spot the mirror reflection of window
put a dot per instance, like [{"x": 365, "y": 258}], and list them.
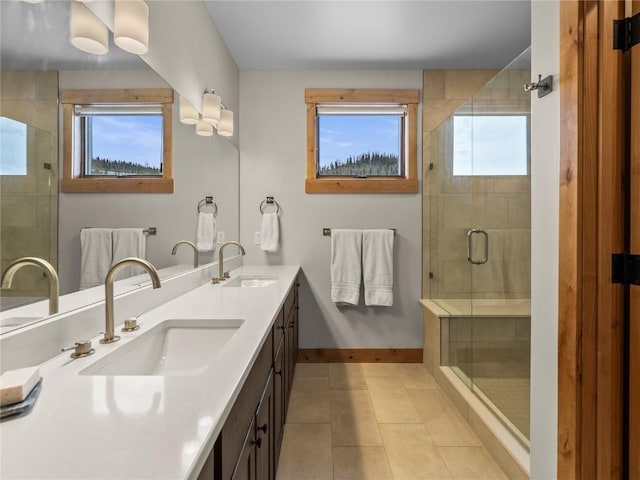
[
  {"x": 121, "y": 140},
  {"x": 13, "y": 147},
  {"x": 485, "y": 145}
]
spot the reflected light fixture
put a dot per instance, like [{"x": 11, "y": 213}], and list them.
[
  {"x": 31, "y": 1},
  {"x": 225, "y": 127},
  {"x": 211, "y": 105},
  {"x": 131, "y": 26},
  {"x": 203, "y": 128},
  {"x": 188, "y": 114},
  {"x": 87, "y": 32}
]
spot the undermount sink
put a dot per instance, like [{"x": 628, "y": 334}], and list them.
[
  {"x": 251, "y": 281},
  {"x": 177, "y": 347}
]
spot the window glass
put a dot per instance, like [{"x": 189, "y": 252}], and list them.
[
  {"x": 487, "y": 145},
  {"x": 360, "y": 145},
  {"x": 127, "y": 143},
  {"x": 13, "y": 147}
]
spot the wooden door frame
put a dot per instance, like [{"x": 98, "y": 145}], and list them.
[{"x": 592, "y": 204}]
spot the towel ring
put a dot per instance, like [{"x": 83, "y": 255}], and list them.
[
  {"x": 269, "y": 201},
  {"x": 208, "y": 201}
]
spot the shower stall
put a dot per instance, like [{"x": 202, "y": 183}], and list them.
[{"x": 477, "y": 207}]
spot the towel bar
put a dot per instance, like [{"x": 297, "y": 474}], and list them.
[
  {"x": 269, "y": 201},
  {"x": 327, "y": 231},
  {"x": 147, "y": 231},
  {"x": 208, "y": 201}
]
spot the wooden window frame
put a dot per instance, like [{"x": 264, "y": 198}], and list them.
[
  {"x": 408, "y": 184},
  {"x": 73, "y": 183}
]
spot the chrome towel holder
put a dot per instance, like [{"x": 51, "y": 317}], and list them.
[
  {"x": 208, "y": 201},
  {"x": 269, "y": 201}
]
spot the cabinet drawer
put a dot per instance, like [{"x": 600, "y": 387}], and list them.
[
  {"x": 278, "y": 329},
  {"x": 229, "y": 444}
]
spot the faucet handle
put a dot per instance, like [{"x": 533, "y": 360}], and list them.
[
  {"x": 215, "y": 280},
  {"x": 131, "y": 323},
  {"x": 226, "y": 275},
  {"x": 81, "y": 349}
]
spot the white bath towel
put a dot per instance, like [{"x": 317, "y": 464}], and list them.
[
  {"x": 377, "y": 267},
  {"x": 128, "y": 242},
  {"x": 96, "y": 252},
  {"x": 270, "y": 232},
  {"x": 206, "y": 232},
  {"x": 346, "y": 266}
]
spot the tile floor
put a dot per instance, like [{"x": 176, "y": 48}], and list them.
[{"x": 377, "y": 422}]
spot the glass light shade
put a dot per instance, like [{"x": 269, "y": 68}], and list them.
[
  {"x": 131, "y": 26},
  {"x": 31, "y": 1},
  {"x": 204, "y": 129},
  {"x": 87, "y": 32},
  {"x": 211, "y": 105},
  {"x": 225, "y": 127},
  {"x": 188, "y": 114}
]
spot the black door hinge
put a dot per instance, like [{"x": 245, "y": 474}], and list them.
[
  {"x": 625, "y": 269},
  {"x": 626, "y": 32}
]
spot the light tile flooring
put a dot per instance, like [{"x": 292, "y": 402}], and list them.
[{"x": 377, "y": 422}]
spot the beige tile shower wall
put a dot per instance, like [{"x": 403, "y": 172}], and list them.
[
  {"x": 453, "y": 205},
  {"x": 29, "y": 203}
]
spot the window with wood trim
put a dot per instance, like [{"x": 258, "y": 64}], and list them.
[
  {"x": 361, "y": 140},
  {"x": 117, "y": 141}
]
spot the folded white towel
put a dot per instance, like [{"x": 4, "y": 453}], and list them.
[
  {"x": 270, "y": 232},
  {"x": 346, "y": 266},
  {"x": 96, "y": 252},
  {"x": 206, "y": 232},
  {"x": 377, "y": 266},
  {"x": 128, "y": 242}
]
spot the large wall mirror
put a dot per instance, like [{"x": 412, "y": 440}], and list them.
[{"x": 36, "y": 219}]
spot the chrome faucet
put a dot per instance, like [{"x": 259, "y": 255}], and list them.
[
  {"x": 46, "y": 267},
  {"x": 109, "y": 337},
  {"x": 192, "y": 245},
  {"x": 222, "y": 275}
]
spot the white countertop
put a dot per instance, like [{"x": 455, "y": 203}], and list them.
[{"x": 142, "y": 427}]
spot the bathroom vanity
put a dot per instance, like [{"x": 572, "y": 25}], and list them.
[{"x": 200, "y": 391}]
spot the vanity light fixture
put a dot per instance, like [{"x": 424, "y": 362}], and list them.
[
  {"x": 211, "y": 105},
  {"x": 87, "y": 32},
  {"x": 188, "y": 114},
  {"x": 131, "y": 26},
  {"x": 31, "y": 1},
  {"x": 225, "y": 127},
  {"x": 203, "y": 128}
]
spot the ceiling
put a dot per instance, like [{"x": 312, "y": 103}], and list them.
[
  {"x": 400, "y": 34},
  {"x": 36, "y": 36}
]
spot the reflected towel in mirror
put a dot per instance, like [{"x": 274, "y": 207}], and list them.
[
  {"x": 206, "y": 232},
  {"x": 128, "y": 242},
  {"x": 95, "y": 256}
]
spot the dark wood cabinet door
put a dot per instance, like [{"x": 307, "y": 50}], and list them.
[
  {"x": 246, "y": 466},
  {"x": 264, "y": 434},
  {"x": 278, "y": 402}
]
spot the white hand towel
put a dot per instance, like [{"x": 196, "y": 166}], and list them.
[
  {"x": 270, "y": 232},
  {"x": 377, "y": 266},
  {"x": 206, "y": 232},
  {"x": 96, "y": 252},
  {"x": 346, "y": 266},
  {"x": 128, "y": 242}
]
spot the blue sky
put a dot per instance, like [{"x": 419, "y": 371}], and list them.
[
  {"x": 342, "y": 136},
  {"x": 129, "y": 138},
  {"x": 490, "y": 145}
]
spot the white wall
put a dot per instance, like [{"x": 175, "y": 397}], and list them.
[
  {"x": 201, "y": 166},
  {"x": 545, "y": 160},
  {"x": 273, "y": 162}
]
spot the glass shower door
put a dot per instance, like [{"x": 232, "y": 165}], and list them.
[{"x": 499, "y": 243}]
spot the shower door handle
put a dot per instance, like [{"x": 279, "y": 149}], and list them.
[{"x": 470, "y": 234}]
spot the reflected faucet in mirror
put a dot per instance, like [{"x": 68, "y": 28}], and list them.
[
  {"x": 192, "y": 245},
  {"x": 109, "y": 336},
  {"x": 46, "y": 267},
  {"x": 222, "y": 275}
]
